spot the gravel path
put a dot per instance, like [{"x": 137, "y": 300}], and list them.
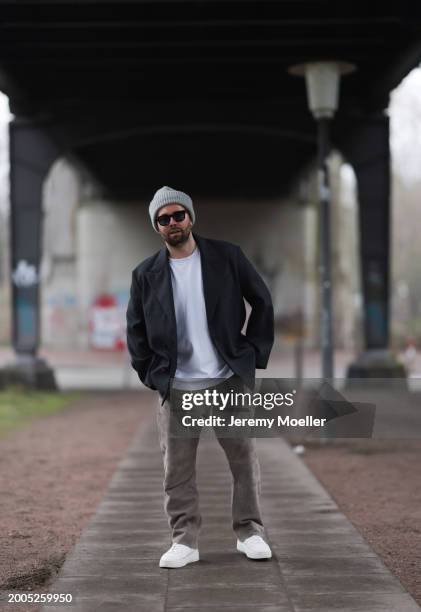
[
  {"x": 53, "y": 474},
  {"x": 377, "y": 485}
]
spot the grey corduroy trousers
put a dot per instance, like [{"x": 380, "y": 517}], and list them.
[{"x": 181, "y": 497}]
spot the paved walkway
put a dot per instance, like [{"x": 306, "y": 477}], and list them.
[{"x": 320, "y": 564}]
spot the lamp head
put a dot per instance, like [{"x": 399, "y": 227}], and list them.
[{"x": 322, "y": 81}]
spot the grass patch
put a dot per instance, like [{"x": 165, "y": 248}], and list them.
[{"x": 18, "y": 405}]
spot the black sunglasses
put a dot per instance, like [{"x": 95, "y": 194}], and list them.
[{"x": 178, "y": 216}]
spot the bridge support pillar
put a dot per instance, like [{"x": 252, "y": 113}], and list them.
[
  {"x": 31, "y": 155},
  {"x": 368, "y": 151}
]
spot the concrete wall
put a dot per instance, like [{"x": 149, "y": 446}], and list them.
[
  {"x": 113, "y": 238},
  {"x": 347, "y": 300},
  {"x": 5, "y": 310},
  {"x": 59, "y": 299}
]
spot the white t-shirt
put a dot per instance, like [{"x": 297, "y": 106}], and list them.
[{"x": 197, "y": 357}]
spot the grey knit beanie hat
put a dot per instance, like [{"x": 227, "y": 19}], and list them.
[{"x": 167, "y": 195}]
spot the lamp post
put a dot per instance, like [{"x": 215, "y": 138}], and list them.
[{"x": 322, "y": 84}]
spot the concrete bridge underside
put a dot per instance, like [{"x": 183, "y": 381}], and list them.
[{"x": 197, "y": 94}]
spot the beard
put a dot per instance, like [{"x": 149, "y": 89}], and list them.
[{"x": 177, "y": 237}]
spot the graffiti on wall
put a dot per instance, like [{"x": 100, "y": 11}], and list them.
[
  {"x": 107, "y": 321},
  {"x": 25, "y": 274},
  {"x": 60, "y": 319}
]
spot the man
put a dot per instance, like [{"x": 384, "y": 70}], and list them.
[{"x": 184, "y": 323}]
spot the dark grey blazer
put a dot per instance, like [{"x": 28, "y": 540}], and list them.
[{"x": 228, "y": 277}]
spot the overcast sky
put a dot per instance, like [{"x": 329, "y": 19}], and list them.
[
  {"x": 405, "y": 127},
  {"x": 405, "y": 134},
  {"x": 4, "y": 152}
]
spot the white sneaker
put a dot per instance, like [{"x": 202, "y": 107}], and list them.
[
  {"x": 178, "y": 556},
  {"x": 254, "y": 547}
]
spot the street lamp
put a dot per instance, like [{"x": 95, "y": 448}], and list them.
[{"x": 322, "y": 83}]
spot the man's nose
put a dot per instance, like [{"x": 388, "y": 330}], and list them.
[{"x": 172, "y": 221}]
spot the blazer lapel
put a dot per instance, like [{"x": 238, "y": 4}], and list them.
[
  {"x": 160, "y": 281},
  {"x": 214, "y": 269}
]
